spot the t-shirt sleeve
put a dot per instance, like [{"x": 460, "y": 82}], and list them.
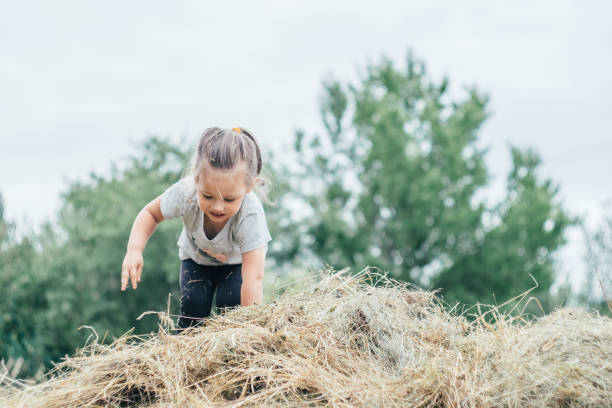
[
  {"x": 172, "y": 201},
  {"x": 252, "y": 231}
]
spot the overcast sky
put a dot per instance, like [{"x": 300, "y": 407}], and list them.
[{"x": 81, "y": 82}]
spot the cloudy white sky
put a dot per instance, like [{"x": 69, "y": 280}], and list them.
[{"x": 81, "y": 82}]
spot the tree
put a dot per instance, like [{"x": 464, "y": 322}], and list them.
[
  {"x": 285, "y": 230},
  {"x": 69, "y": 275},
  {"x": 526, "y": 228},
  {"x": 94, "y": 224},
  {"x": 22, "y": 299},
  {"x": 597, "y": 292},
  {"x": 393, "y": 180}
]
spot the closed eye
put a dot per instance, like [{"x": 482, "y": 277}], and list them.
[{"x": 209, "y": 197}]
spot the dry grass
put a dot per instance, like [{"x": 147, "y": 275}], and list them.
[{"x": 344, "y": 342}]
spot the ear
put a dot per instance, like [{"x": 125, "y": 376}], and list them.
[{"x": 250, "y": 185}]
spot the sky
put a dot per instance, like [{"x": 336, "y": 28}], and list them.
[{"x": 82, "y": 82}]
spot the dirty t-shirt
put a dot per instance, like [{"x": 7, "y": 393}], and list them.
[{"x": 244, "y": 231}]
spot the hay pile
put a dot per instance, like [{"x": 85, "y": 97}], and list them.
[{"x": 344, "y": 343}]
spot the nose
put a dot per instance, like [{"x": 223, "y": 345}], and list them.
[{"x": 217, "y": 206}]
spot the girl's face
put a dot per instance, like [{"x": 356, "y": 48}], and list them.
[{"x": 220, "y": 192}]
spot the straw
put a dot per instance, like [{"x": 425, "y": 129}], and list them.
[{"x": 349, "y": 340}]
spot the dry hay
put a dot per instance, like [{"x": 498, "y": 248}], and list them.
[{"x": 343, "y": 343}]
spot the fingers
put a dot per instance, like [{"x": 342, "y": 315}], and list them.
[
  {"x": 131, "y": 270},
  {"x": 134, "y": 277},
  {"x": 124, "y": 279},
  {"x": 130, "y": 274}
]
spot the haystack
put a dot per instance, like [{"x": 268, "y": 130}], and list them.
[{"x": 347, "y": 341}]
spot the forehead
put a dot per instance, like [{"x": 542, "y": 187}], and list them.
[{"x": 227, "y": 182}]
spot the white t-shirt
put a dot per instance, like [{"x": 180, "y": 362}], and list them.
[{"x": 243, "y": 232}]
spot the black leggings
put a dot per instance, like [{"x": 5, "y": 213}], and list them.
[{"x": 198, "y": 283}]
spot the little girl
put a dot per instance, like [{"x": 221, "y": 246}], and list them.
[{"x": 224, "y": 239}]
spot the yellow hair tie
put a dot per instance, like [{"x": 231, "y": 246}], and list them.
[{"x": 237, "y": 130}]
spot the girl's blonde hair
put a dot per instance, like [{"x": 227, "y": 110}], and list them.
[{"x": 225, "y": 148}]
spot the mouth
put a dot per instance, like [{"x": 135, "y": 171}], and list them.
[{"x": 216, "y": 216}]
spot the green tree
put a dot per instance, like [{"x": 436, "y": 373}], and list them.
[
  {"x": 284, "y": 229},
  {"x": 392, "y": 183},
  {"x": 69, "y": 275},
  {"x": 22, "y": 298},
  {"x": 597, "y": 292},
  {"x": 94, "y": 225},
  {"x": 525, "y": 229}
]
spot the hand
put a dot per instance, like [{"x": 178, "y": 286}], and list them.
[{"x": 132, "y": 268}]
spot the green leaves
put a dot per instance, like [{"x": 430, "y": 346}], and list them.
[
  {"x": 74, "y": 278},
  {"x": 519, "y": 240},
  {"x": 597, "y": 291},
  {"x": 333, "y": 106},
  {"x": 393, "y": 183}
]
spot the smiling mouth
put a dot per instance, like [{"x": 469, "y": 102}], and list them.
[{"x": 216, "y": 215}]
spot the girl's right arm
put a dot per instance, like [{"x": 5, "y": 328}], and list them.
[{"x": 145, "y": 223}]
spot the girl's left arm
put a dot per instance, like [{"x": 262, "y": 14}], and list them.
[{"x": 252, "y": 277}]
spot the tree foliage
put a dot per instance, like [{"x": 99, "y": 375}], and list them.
[
  {"x": 597, "y": 292},
  {"x": 72, "y": 279},
  {"x": 525, "y": 230},
  {"x": 393, "y": 183},
  {"x": 23, "y": 297}
]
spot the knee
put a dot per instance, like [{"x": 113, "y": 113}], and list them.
[
  {"x": 195, "y": 303},
  {"x": 194, "y": 308},
  {"x": 228, "y": 297}
]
